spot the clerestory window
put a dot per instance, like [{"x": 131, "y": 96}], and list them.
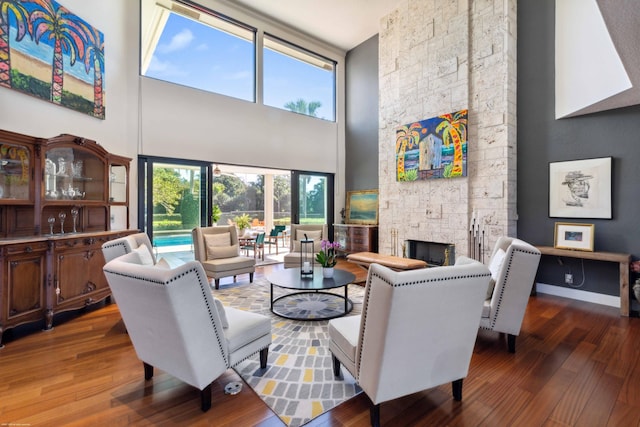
[
  {"x": 298, "y": 80},
  {"x": 192, "y": 46}
]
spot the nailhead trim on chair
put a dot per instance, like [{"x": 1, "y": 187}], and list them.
[
  {"x": 506, "y": 277},
  {"x": 250, "y": 355},
  {"x": 115, "y": 244},
  {"x": 202, "y": 289},
  {"x": 396, "y": 285}
]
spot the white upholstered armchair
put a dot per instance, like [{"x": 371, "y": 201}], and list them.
[
  {"x": 513, "y": 267},
  {"x": 417, "y": 330},
  {"x": 176, "y": 325},
  {"x": 124, "y": 245}
]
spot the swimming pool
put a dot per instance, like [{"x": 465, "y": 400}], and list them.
[{"x": 172, "y": 240}]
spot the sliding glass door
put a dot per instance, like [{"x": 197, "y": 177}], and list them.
[
  {"x": 174, "y": 199},
  {"x": 312, "y": 198}
]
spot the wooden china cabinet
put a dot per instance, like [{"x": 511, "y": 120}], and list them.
[{"x": 60, "y": 199}]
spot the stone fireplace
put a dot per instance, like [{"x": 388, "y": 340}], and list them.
[
  {"x": 433, "y": 253},
  {"x": 437, "y": 58}
]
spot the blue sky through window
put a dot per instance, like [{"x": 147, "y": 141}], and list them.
[
  {"x": 199, "y": 56},
  {"x": 193, "y": 54},
  {"x": 288, "y": 79}
]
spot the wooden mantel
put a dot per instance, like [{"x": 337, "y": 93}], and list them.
[{"x": 622, "y": 259}]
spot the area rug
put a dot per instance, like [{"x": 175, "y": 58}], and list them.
[{"x": 298, "y": 384}]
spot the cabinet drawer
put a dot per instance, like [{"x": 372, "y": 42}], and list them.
[
  {"x": 25, "y": 248},
  {"x": 358, "y": 232},
  {"x": 360, "y": 240}
]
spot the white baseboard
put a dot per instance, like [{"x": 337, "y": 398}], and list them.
[{"x": 579, "y": 295}]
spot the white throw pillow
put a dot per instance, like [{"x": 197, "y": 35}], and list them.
[
  {"x": 145, "y": 256},
  {"x": 496, "y": 263},
  {"x": 494, "y": 267},
  {"x": 221, "y": 313}
]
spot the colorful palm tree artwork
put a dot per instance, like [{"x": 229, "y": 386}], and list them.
[
  {"x": 94, "y": 55},
  {"x": 432, "y": 148},
  {"x": 407, "y": 138},
  {"x": 21, "y": 15},
  {"x": 454, "y": 132},
  {"x": 54, "y": 21}
]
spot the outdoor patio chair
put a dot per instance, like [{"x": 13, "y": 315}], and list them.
[
  {"x": 256, "y": 245},
  {"x": 275, "y": 236}
]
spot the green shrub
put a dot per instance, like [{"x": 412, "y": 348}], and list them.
[
  {"x": 166, "y": 224},
  {"x": 170, "y": 217},
  {"x": 189, "y": 210}
]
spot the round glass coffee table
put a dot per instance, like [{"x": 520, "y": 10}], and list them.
[{"x": 312, "y": 302}]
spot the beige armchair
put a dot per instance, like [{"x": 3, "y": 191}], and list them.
[
  {"x": 176, "y": 325},
  {"x": 315, "y": 232},
  {"x": 513, "y": 266},
  {"x": 417, "y": 330},
  {"x": 218, "y": 250}
]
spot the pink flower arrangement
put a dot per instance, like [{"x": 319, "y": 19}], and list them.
[{"x": 328, "y": 256}]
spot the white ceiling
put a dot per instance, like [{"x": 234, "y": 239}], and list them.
[{"x": 341, "y": 23}]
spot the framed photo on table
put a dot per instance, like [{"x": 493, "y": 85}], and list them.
[
  {"x": 574, "y": 236},
  {"x": 580, "y": 188}
]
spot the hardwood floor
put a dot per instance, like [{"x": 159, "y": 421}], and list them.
[{"x": 575, "y": 364}]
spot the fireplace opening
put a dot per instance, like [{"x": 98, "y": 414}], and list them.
[{"x": 433, "y": 253}]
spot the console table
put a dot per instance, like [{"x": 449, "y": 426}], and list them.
[{"x": 622, "y": 259}]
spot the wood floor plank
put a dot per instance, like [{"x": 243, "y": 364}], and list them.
[
  {"x": 544, "y": 401},
  {"x": 575, "y": 364},
  {"x": 600, "y": 405},
  {"x": 572, "y": 403}
]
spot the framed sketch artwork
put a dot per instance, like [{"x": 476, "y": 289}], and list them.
[{"x": 580, "y": 188}]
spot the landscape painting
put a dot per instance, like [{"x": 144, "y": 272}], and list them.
[
  {"x": 48, "y": 52},
  {"x": 432, "y": 148},
  {"x": 362, "y": 207}
]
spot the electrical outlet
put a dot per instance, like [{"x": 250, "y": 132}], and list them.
[{"x": 568, "y": 278}]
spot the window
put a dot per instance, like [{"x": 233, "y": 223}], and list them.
[
  {"x": 298, "y": 80},
  {"x": 190, "y": 45},
  {"x": 194, "y": 47}
]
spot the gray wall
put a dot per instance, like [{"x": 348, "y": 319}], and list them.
[
  {"x": 361, "y": 158},
  {"x": 542, "y": 139}
]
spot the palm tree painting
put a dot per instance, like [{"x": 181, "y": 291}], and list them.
[
  {"x": 50, "y": 53},
  {"x": 432, "y": 148}
]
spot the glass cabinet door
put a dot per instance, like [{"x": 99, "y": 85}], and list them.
[
  {"x": 117, "y": 184},
  {"x": 73, "y": 174},
  {"x": 15, "y": 173}
]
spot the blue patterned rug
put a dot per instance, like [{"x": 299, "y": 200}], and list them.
[{"x": 298, "y": 384}]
